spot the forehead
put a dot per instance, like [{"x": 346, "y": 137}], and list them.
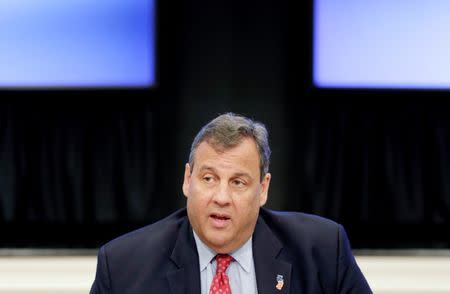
[{"x": 244, "y": 156}]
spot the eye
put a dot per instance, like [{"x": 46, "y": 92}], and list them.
[
  {"x": 208, "y": 179},
  {"x": 238, "y": 183}
]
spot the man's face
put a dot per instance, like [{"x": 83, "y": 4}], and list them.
[{"x": 224, "y": 194}]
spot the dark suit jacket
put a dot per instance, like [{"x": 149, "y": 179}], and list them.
[{"x": 311, "y": 253}]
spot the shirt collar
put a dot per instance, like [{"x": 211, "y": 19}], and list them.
[
  {"x": 205, "y": 253},
  {"x": 243, "y": 255}
]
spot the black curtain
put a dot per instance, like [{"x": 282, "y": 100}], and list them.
[{"x": 379, "y": 168}]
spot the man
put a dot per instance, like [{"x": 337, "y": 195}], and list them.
[{"x": 224, "y": 241}]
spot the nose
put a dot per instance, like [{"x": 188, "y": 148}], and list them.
[{"x": 222, "y": 195}]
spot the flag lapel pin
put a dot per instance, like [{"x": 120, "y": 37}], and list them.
[{"x": 280, "y": 282}]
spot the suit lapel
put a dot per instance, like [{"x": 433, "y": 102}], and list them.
[
  {"x": 270, "y": 271},
  {"x": 186, "y": 277}
]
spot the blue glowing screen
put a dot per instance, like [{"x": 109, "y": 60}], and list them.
[
  {"x": 381, "y": 44},
  {"x": 77, "y": 43}
]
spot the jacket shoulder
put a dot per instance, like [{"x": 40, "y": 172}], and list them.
[
  {"x": 157, "y": 236},
  {"x": 296, "y": 218},
  {"x": 139, "y": 260},
  {"x": 306, "y": 228}
]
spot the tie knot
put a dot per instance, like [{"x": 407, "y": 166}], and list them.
[{"x": 223, "y": 261}]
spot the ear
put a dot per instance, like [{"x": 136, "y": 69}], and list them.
[
  {"x": 187, "y": 179},
  {"x": 264, "y": 189}
]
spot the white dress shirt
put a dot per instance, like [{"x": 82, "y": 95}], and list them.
[{"x": 241, "y": 271}]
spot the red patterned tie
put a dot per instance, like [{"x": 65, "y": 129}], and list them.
[{"x": 220, "y": 283}]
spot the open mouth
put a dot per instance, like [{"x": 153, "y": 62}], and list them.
[
  {"x": 219, "y": 216},
  {"x": 219, "y": 220}
]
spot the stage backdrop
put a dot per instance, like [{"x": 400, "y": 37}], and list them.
[{"x": 78, "y": 171}]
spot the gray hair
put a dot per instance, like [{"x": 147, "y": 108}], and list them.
[{"x": 227, "y": 131}]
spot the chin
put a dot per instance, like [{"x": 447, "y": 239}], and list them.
[{"x": 219, "y": 244}]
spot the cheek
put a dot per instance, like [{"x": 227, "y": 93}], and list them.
[
  {"x": 198, "y": 198},
  {"x": 248, "y": 206}
]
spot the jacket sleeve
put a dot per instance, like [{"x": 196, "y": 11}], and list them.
[
  {"x": 102, "y": 283},
  {"x": 350, "y": 278}
]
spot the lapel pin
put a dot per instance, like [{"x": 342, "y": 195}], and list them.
[{"x": 280, "y": 282}]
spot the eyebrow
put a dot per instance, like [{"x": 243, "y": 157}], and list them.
[
  {"x": 243, "y": 175},
  {"x": 207, "y": 168},
  {"x": 212, "y": 169}
]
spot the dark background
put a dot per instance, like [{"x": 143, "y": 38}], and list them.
[{"x": 79, "y": 167}]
